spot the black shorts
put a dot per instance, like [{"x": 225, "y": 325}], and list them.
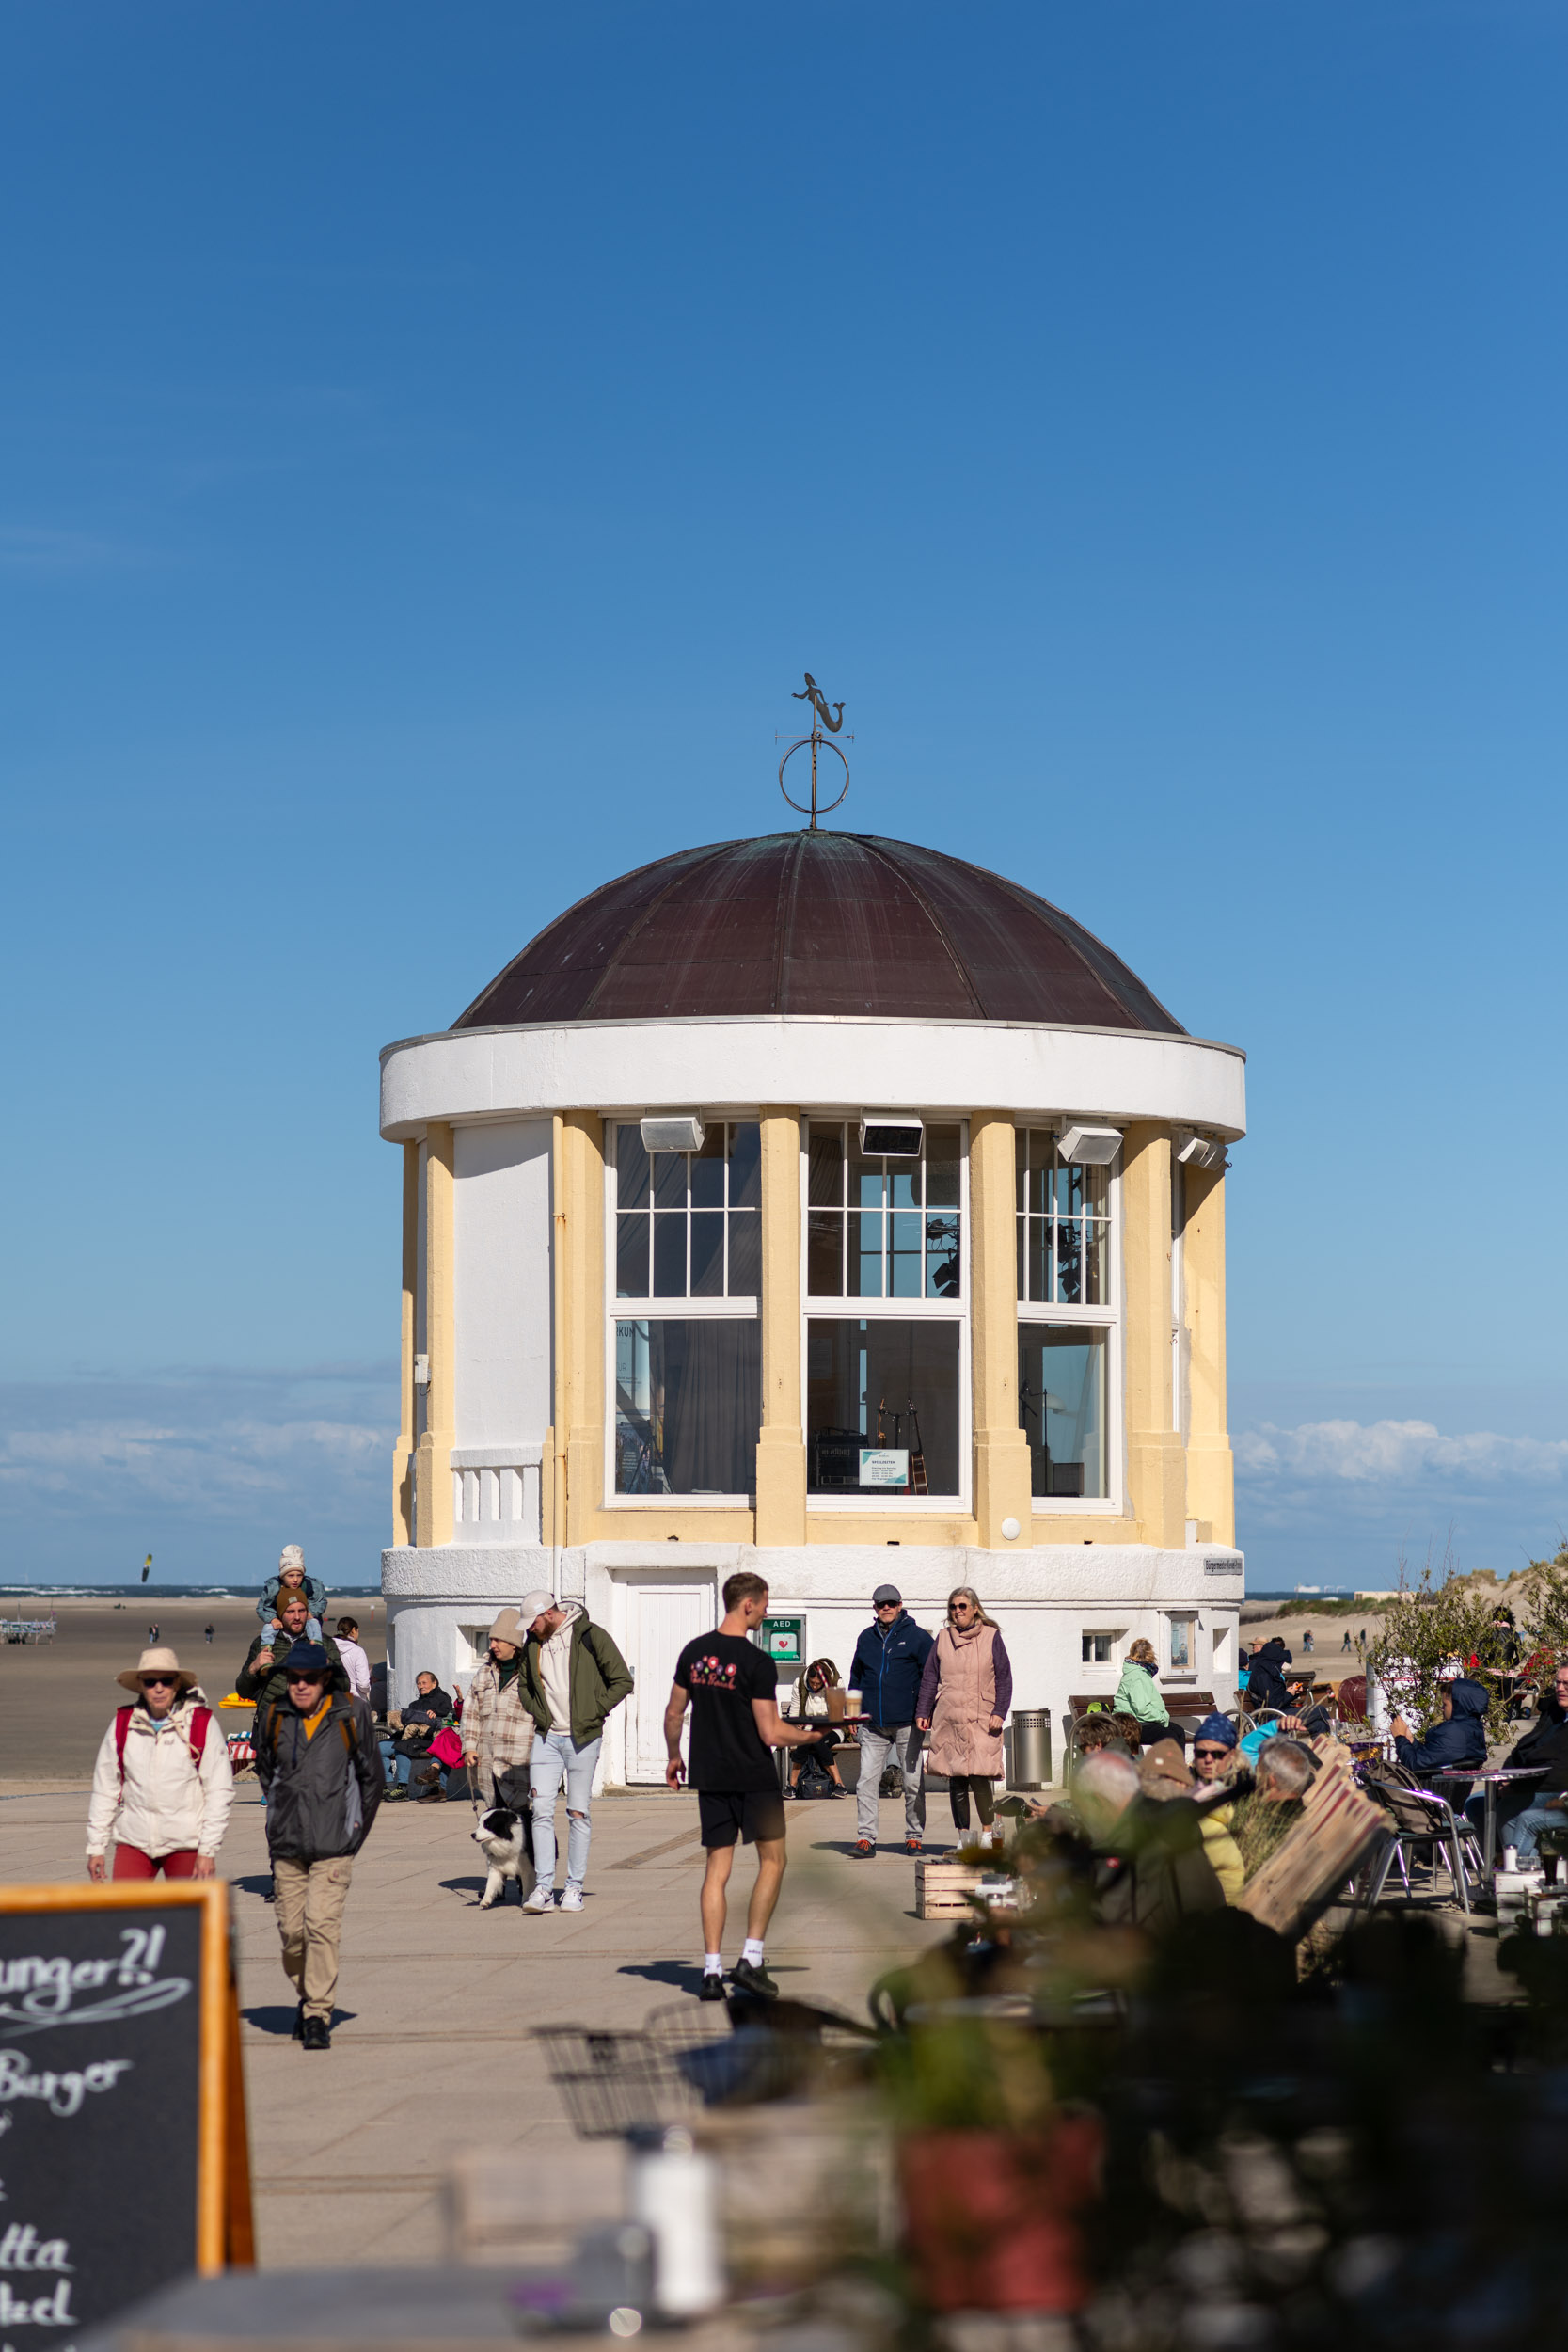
[{"x": 727, "y": 1815}]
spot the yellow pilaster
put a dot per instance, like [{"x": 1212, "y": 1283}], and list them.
[
  {"x": 1211, "y": 1472},
  {"x": 1001, "y": 1448},
  {"x": 579, "y": 1321},
  {"x": 403, "y": 1453},
  {"x": 1156, "y": 1463},
  {"x": 432, "y": 1484},
  {"x": 781, "y": 1442}
]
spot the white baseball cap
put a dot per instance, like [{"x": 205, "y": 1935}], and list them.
[{"x": 532, "y": 1607}]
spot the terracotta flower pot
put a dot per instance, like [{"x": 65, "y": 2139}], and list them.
[{"x": 991, "y": 2217}]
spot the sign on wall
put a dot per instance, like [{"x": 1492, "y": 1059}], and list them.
[
  {"x": 785, "y": 1641},
  {"x": 123, "y": 2161},
  {"x": 884, "y": 1466}
]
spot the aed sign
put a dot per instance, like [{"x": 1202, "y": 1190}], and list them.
[
  {"x": 884, "y": 1466},
  {"x": 785, "y": 1641}
]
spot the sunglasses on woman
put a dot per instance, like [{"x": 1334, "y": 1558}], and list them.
[
  {"x": 1210, "y": 1750},
  {"x": 158, "y": 1682}
]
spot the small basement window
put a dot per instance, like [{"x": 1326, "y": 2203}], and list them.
[{"x": 1098, "y": 1649}]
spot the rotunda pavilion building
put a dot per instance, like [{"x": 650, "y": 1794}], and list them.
[{"x": 827, "y": 1207}]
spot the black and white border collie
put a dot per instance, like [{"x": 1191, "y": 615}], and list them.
[{"x": 499, "y": 1835}]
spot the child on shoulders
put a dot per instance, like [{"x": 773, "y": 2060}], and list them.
[{"x": 290, "y": 1577}]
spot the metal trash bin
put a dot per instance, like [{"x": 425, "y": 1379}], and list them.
[{"x": 1026, "y": 1745}]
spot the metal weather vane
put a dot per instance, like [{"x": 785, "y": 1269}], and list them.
[{"x": 823, "y": 724}]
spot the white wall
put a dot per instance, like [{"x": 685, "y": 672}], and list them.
[{"x": 501, "y": 1283}]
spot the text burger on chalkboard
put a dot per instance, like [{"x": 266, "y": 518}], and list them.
[{"x": 122, "y": 2138}]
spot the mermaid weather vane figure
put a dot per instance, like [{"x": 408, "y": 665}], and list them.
[{"x": 824, "y": 723}]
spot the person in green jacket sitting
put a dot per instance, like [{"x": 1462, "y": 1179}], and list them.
[{"x": 1138, "y": 1693}]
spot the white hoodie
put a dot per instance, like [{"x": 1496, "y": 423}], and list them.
[{"x": 165, "y": 1805}]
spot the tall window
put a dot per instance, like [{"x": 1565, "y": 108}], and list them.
[
  {"x": 885, "y": 1386},
  {"x": 1067, "y": 1328},
  {"x": 686, "y": 1355}
]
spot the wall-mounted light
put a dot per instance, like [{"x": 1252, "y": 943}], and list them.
[
  {"x": 681, "y": 1131},
  {"x": 1199, "y": 1150},
  {"x": 421, "y": 1371},
  {"x": 1091, "y": 1146},
  {"x": 891, "y": 1134}
]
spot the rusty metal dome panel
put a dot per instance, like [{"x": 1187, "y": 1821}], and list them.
[{"x": 816, "y": 923}]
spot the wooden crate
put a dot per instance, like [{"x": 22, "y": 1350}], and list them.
[{"x": 942, "y": 1890}]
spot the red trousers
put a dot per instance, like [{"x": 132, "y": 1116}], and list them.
[{"x": 131, "y": 1863}]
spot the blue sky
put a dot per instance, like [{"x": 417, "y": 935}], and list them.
[{"x": 435, "y": 441}]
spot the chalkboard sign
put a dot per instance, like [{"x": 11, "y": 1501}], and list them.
[{"x": 122, "y": 2138}]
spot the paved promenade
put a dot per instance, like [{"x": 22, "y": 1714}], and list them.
[{"x": 431, "y": 2050}]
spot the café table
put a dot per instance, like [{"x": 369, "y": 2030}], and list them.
[{"x": 1490, "y": 1784}]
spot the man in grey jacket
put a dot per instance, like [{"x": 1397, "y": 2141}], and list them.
[{"x": 317, "y": 1761}]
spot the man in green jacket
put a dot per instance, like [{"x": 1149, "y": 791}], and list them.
[
  {"x": 572, "y": 1675},
  {"x": 262, "y": 1676}
]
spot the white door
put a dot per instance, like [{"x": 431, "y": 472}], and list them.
[{"x": 663, "y": 1618}]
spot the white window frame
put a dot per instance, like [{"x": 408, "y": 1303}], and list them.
[
  {"x": 1191, "y": 1619},
  {"x": 1110, "y": 1319},
  {"x": 839, "y": 1309},
  {"x": 659, "y": 1310}
]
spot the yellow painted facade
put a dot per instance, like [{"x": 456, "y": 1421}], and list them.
[{"x": 1168, "y": 1482}]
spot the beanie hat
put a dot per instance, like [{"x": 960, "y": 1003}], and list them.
[
  {"x": 1219, "y": 1729},
  {"x": 291, "y": 1557},
  {"x": 508, "y": 1626},
  {"x": 308, "y": 1658}
]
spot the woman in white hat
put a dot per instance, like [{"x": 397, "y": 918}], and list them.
[{"x": 162, "y": 1786}]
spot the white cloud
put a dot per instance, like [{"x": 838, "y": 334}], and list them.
[{"x": 1394, "y": 1453}]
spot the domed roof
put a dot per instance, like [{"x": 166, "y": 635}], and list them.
[{"x": 816, "y": 923}]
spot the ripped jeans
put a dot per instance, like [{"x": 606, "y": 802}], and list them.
[{"x": 557, "y": 1757}]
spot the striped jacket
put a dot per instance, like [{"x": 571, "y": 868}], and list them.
[{"x": 497, "y": 1729}]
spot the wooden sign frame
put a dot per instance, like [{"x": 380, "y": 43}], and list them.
[{"x": 225, "y": 2227}]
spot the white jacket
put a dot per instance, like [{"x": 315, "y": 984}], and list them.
[
  {"x": 356, "y": 1665},
  {"x": 165, "y": 1805}
]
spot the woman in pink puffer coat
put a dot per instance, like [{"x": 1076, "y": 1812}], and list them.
[{"x": 964, "y": 1696}]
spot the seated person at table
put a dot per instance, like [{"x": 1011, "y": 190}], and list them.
[
  {"x": 819, "y": 1699},
  {"x": 421, "y": 1721},
  {"x": 1150, "y": 1868},
  {"x": 1265, "y": 1685},
  {"x": 1459, "y": 1739},
  {"x": 1260, "y": 1823},
  {"x": 1526, "y": 1807}
]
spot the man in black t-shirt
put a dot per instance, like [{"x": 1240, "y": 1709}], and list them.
[{"x": 730, "y": 1685}]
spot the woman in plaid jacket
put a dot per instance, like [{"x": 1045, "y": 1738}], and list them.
[{"x": 497, "y": 1729}]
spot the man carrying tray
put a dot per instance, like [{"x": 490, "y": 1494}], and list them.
[{"x": 730, "y": 1686}]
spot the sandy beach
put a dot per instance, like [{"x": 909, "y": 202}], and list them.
[{"x": 56, "y": 1697}]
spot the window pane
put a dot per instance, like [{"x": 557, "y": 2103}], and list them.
[
  {"x": 1034, "y": 1240},
  {"x": 1181, "y": 1641},
  {"x": 707, "y": 1171},
  {"x": 746, "y": 1164},
  {"x": 707, "y": 1254},
  {"x": 1061, "y": 1406},
  {"x": 687, "y": 1408},
  {"x": 1069, "y": 1188},
  {"x": 1069, "y": 1262},
  {"x": 943, "y": 1279},
  {"x": 906, "y": 1257},
  {"x": 903, "y": 1184},
  {"x": 825, "y": 1181},
  {"x": 1096, "y": 1261},
  {"x": 669, "y": 1180},
  {"x": 825, "y": 1253},
  {"x": 669, "y": 1255},
  {"x": 900, "y": 1377},
  {"x": 865, "y": 1254},
  {"x": 865, "y": 1181},
  {"x": 631, "y": 1167},
  {"x": 631, "y": 1256},
  {"x": 745, "y": 1253},
  {"x": 1096, "y": 1190},
  {"x": 941, "y": 1167}
]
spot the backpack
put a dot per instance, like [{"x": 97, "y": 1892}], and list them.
[{"x": 201, "y": 1718}]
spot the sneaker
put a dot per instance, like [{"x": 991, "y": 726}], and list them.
[
  {"x": 316, "y": 2036},
  {"x": 713, "y": 1986},
  {"x": 914, "y": 1844},
  {"x": 863, "y": 1848},
  {"x": 747, "y": 1979},
  {"x": 571, "y": 1898},
  {"x": 542, "y": 1898}
]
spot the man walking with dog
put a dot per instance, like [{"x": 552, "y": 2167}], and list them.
[
  {"x": 321, "y": 1774},
  {"x": 731, "y": 1686},
  {"x": 571, "y": 1679}
]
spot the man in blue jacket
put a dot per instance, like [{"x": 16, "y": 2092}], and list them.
[{"x": 889, "y": 1659}]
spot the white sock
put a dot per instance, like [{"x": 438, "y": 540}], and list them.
[
  {"x": 751, "y": 1951},
  {"x": 713, "y": 1963}
]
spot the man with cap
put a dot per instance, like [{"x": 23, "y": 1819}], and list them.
[
  {"x": 316, "y": 1760},
  {"x": 162, "y": 1786},
  {"x": 497, "y": 1729},
  {"x": 573, "y": 1677},
  {"x": 889, "y": 1661},
  {"x": 262, "y": 1676}
]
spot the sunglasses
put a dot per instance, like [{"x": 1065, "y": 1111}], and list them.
[
  {"x": 1210, "y": 1750},
  {"x": 158, "y": 1682}
]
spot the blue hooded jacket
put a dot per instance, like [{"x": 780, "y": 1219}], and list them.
[
  {"x": 887, "y": 1670},
  {"x": 1460, "y": 1740}
]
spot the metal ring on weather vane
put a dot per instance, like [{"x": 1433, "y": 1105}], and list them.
[{"x": 816, "y": 741}]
